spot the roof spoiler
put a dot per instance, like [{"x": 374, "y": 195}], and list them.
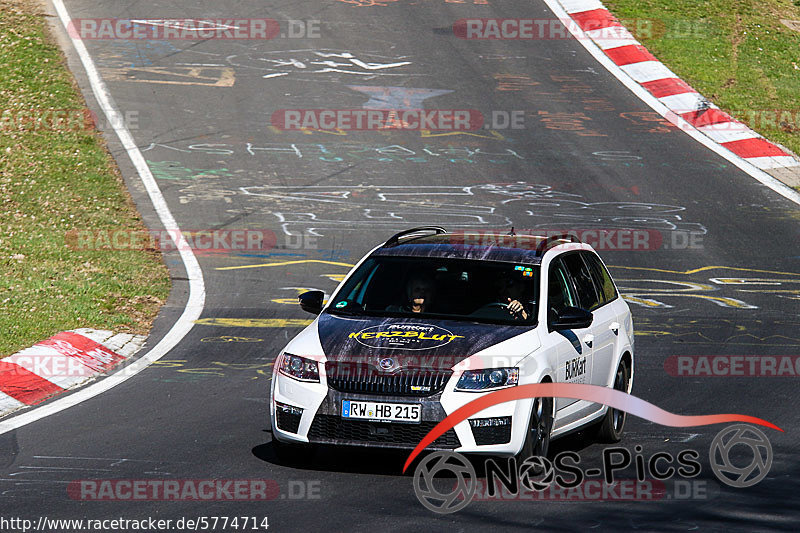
[{"x": 395, "y": 239}]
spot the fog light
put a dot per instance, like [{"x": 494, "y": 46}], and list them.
[
  {"x": 490, "y": 422},
  {"x": 291, "y": 409},
  {"x": 287, "y": 417},
  {"x": 488, "y": 431}
]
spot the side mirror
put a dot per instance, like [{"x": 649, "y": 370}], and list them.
[
  {"x": 571, "y": 318},
  {"x": 311, "y": 301}
]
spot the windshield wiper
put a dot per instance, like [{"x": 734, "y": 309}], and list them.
[{"x": 348, "y": 312}]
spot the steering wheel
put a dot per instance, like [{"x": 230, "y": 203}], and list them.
[
  {"x": 493, "y": 305},
  {"x": 500, "y": 305},
  {"x": 492, "y": 310}
]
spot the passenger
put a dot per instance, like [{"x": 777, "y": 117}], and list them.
[{"x": 419, "y": 294}]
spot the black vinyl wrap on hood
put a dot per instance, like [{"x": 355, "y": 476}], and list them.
[{"x": 412, "y": 341}]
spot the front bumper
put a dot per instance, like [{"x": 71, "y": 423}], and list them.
[
  {"x": 329, "y": 427},
  {"x": 311, "y": 413}
]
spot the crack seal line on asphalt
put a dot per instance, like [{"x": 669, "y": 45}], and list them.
[
  {"x": 197, "y": 291},
  {"x": 756, "y": 173}
]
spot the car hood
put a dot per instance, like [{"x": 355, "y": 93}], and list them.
[{"x": 425, "y": 343}]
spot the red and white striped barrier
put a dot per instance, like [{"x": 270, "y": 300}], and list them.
[
  {"x": 637, "y": 62},
  {"x": 62, "y": 362}
]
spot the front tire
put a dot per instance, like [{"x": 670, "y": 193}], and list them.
[
  {"x": 612, "y": 427},
  {"x": 540, "y": 426}
]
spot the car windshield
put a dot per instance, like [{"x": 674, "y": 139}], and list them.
[{"x": 477, "y": 291}]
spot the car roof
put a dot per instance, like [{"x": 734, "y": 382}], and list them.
[{"x": 483, "y": 246}]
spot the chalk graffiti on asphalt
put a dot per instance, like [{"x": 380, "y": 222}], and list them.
[
  {"x": 349, "y": 152},
  {"x": 308, "y": 64},
  {"x": 174, "y": 170},
  {"x": 215, "y": 369},
  {"x": 737, "y": 331},
  {"x": 320, "y": 208},
  {"x": 663, "y": 289}
]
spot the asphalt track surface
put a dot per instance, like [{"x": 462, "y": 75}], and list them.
[{"x": 202, "y": 412}]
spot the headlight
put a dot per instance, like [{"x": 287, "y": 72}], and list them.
[
  {"x": 299, "y": 368},
  {"x": 489, "y": 378}
]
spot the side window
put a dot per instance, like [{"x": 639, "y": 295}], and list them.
[
  {"x": 580, "y": 275},
  {"x": 560, "y": 293},
  {"x": 602, "y": 279}
]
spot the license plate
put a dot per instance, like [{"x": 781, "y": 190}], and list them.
[{"x": 387, "y": 412}]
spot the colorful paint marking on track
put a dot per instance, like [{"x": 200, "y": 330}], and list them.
[
  {"x": 254, "y": 322},
  {"x": 288, "y": 263},
  {"x": 181, "y": 371}
]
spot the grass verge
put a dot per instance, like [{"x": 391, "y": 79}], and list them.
[
  {"x": 55, "y": 177},
  {"x": 743, "y": 55}
]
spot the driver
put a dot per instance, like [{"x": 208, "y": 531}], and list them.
[
  {"x": 510, "y": 290},
  {"x": 419, "y": 294}
]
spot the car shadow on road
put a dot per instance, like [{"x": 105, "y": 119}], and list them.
[{"x": 383, "y": 462}]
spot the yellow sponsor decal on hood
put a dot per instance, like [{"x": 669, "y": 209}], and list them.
[{"x": 404, "y": 336}]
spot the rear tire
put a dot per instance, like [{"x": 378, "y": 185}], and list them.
[{"x": 612, "y": 427}]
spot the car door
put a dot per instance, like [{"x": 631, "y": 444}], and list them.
[
  {"x": 574, "y": 356},
  {"x": 607, "y": 321},
  {"x": 594, "y": 339},
  {"x": 602, "y": 335}
]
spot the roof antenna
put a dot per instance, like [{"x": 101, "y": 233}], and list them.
[{"x": 512, "y": 232}]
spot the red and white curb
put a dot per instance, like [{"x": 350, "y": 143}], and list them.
[
  {"x": 641, "y": 66},
  {"x": 64, "y": 361}
]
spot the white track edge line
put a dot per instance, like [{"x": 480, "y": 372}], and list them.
[
  {"x": 197, "y": 292},
  {"x": 756, "y": 173}
]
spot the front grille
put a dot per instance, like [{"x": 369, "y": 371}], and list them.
[
  {"x": 329, "y": 428},
  {"x": 366, "y": 379}
]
